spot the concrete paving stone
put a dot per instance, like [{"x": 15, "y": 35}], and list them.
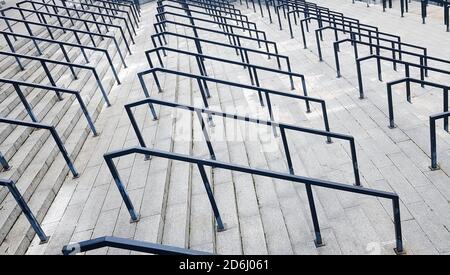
[{"x": 263, "y": 216}]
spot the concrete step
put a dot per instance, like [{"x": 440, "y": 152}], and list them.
[
  {"x": 73, "y": 134},
  {"x": 25, "y": 132}
]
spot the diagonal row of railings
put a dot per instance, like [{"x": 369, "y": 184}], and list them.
[
  {"x": 384, "y": 48},
  {"x": 52, "y": 24},
  {"x": 225, "y": 16}
]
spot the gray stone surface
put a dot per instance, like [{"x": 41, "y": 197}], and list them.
[{"x": 263, "y": 216}]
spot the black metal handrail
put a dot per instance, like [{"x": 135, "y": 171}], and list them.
[
  {"x": 82, "y": 9},
  {"x": 25, "y": 209},
  {"x": 423, "y": 58},
  {"x": 215, "y": 8},
  {"x": 359, "y": 29},
  {"x": 444, "y": 115},
  {"x": 234, "y": 39},
  {"x": 268, "y": 10},
  {"x": 309, "y": 9},
  {"x": 405, "y": 63},
  {"x": 214, "y": 3},
  {"x": 404, "y": 6},
  {"x": 75, "y": 32},
  {"x": 201, "y": 163},
  {"x": 343, "y": 22},
  {"x": 243, "y": 50},
  {"x": 17, "y": 84},
  {"x": 444, "y": 4},
  {"x": 384, "y": 3},
  {"x": 93, "y": 14},
  {"x": 267, "y": 92},
  {"x": 161, "y": 16},
  {"x": 243, "y": 19},
  {"x": 433, "y": 118},
  {"x": 127, "y": 244},
  {"x": 54, "y": 134},
  {"x": 332, "y": 19},
  {"x": 4, "y": 163},
  {"x": 100, "y": 9},
  {"x": 44, "y": 61},
  {"x": 85, "y": 22},
  {"x": 408, "y": 81},
  {"x": 61, "y": 45},
  {"x": 210, "y": 5},
  {"x": 116, "y": 4},
  {"x": 393, "y": 42},
  {"x": 238, "y": 17},
  {"x": 282, "y": 127},
  {"x": 252, "y": 69}
]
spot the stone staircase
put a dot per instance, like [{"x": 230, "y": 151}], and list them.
[
  {"x": 263, "y": 216},
  {"x": 37, "y": 166}
]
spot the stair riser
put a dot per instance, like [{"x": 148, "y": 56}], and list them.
[{"x": 55, "y": 153}]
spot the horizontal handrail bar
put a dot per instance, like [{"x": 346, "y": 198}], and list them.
[
  {"x": 433, "y": 118},
  {"x": 370, "y": 36},
  {"x": 408, "y": 81},
  {"x": 102, "y": 15},
  {"x": 160, "y": 27},
  {"x": 202, "y": 5},
  {"x": 45, "y": 60},
  {"x": 319, "y": 12},
  {"x": 343, "y": 30},
  {"x": 426, "y": 56},
  {"x": 54, "y": 134},
  {"x": 383, "y": 58},
  {"x": 444, "y": 115},
  {"x": 161, "y": 18},
  {"x": 127, "y": 244},
  {"x": 251, "y": 68},
  {"x": 197, "y": 7},
  {"x": 267, "y": 92},
  {"x": 18, "y": 84},
  {"x": 281, "y": 126},
  {"x": 75, "y": 31},
  {"x": 161, "y": 8},
  {"x": 25, "y": 209},
  {"x": 423, "y": 58},
  {"x": 40, "y": 16},
  {"x": 99, "y": 8},
  {"x": 308, "y": 12},
  {"x": 238, "y": 48},
  {"x": 62, "y": 44},
  {"x": 116, "y": 4},
  {"x": 86, "y": 7},
  {"x": 201, "y": 163}
]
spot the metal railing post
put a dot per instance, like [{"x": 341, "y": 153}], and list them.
[
  {"x": 115, "y": 174},
  {"x": 25, "y": 209},
  {"x": 4, "y": 163},
  {"x": 220, "y": 224},
  {"x": 24, "y": 101}
]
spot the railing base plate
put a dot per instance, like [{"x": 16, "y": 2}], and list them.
[
  {"x": 319, "y": 244},
  {"x": 403, "y": 252},
  {"x": 222, "y": 229},
  {"x": 44, "y": 242},
  {"x": 136, "y": 220},
  {"x": 435, "y": 169}
]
